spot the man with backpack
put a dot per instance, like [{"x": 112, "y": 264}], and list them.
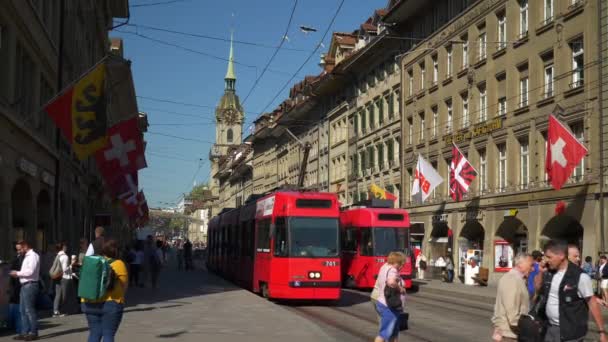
[
  {"x": 29, "y": 278},
  {"x": 566, "y": 298}
]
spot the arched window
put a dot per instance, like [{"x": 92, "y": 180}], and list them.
[{"x": 229, "y": 135}]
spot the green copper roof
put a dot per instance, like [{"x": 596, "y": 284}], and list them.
[{"x": 230, "y": 72}]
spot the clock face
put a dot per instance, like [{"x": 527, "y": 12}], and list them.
[{"x": 231, "y": 116}]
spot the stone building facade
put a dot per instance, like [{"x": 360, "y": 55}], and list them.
[
  {"x": 34, "y": 205},
  {"x": 487, "y": 82}
]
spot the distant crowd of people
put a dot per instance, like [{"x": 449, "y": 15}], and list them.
[{"x": 75, "y": 284}]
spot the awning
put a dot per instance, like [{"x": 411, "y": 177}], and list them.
[
  {"x": 440, "y": 230},
  {"x": 439, "y": 240}
]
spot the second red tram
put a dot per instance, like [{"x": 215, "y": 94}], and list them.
[
  {"x": 369, "y": 233},
  {"x": 284, "y": 245}
]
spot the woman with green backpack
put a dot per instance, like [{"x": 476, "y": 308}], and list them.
[{"x": 103, "y": 284}]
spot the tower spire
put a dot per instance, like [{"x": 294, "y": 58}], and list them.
[{"x": 230, "y": 76}]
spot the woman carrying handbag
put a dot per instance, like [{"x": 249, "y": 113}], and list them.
[{"x": 391, "y": 298}]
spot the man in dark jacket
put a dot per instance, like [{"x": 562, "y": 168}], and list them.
[
  {"x": 14, "y": 291},
  {"x": 188, "y": 255},
  {"x": 567, "y": 298}
]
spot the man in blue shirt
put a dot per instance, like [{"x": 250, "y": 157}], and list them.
[{"x": 538, "y": 257}]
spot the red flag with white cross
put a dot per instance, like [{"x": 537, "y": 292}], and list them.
[
  {"x": 564, "y": 153},
  {"x": 124, "y": 152}
]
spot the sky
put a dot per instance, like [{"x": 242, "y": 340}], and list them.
[{"x": 188, "y": 72}]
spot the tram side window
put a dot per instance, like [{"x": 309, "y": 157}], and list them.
[
  {"x": 280, "y": 238},
  {"x": 367, "y": 245},
  {"x": 349, "y": 240},
  {"x": 263, "y": 241}
]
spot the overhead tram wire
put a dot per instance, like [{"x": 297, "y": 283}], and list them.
[
  {"x": 180, "y": 138},
  {"x": 159, "y": 41},
  {"x": 331, "y": 23},
  {"x": 213, "y": 38},
  {"x": 155, "y": 3},
  {"x": 276, "y": 51},
  {"x": 156, "y": 99}
]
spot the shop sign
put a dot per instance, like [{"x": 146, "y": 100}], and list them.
[
  {"x": 48, "y": 178},
  {"x": 474, "y": 132},
  {"x": 27, "y": 167},
  {"x": 472, "y": 215},
  {"x": 442, "y": 218},
  {"x": 503, "y": 256},
  {"x": 510, "y": 213}
]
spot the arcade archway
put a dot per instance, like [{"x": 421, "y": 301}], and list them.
[
  {"x": 45, "y": 220},
  {"x": 470, "y": 244},
  {"x": 511, "y": 239},
  {"x": 564, "y": 227},
  {"x": 22, "y": 208}
]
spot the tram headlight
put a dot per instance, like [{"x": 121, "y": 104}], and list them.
[
  {"x": 318, "y": 275},
  {"x": 311, "y": 275}
]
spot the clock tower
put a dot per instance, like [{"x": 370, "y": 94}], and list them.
[{"x": 229, "y": 118}]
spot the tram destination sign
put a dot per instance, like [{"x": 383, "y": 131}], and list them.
[{"x": 475, "y": 131}]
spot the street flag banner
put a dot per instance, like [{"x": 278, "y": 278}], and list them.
[
  {"x": 426, "y": 179},
  {"x": 124, "y": 187},
  {"x": 380, "y": 193},
  {"x": 564, "y": 153},
  {"x": 80, "y": 112},
  {"x": 124, "y": 152},
  {"x": 462, "y": 174}
]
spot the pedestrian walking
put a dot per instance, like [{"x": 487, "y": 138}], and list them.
[
  {"x": 188, "y": 255},
  {"x": 421, "y": 264},
  {"x": 603, "y": 276},
  {"x": 587, "y": 266},
  {"x": 95, "y": 246},
  {"x": 135, "y": 266},
  {"x": 537, "y": 256},
  {"x": 449, "y": 268},
  {"x": 180, "y": 256},
  {"x": 61, "y": 274},
  {"x": 574, "y": 255},
  {"x": 152, "y": 262},
  {"x": 391, "y": 298},
  {"x": 512, "y": 300},
  {"x": 105, "y": 314},
  {"x": 14, "y": 290},
  {"x": 567, "y": 297},
  {"x": 29, "y": 278}
]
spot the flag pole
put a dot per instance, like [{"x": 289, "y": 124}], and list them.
[{"x": 64, "y": 89}]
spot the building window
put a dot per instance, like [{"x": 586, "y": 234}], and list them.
[
  {"x": 483, "y": 171},
  {"x": 422, "y": 126},
  {"x": 548, "y": 11},
  {"x": 523, "y": 92},
  {"x": 502, "y": 167},
  {"x": 410, "y": 130},
  {"x": 578, "y": 63},
  {"x": 410, "y": 77},
  {"x": 356, "y": 124},
  {"x": 435, "y": 69},
  {"x": 502, "y": 31},
  {"x": 579, "y": 170},
  {"x": 465, "y": 52},
  {"x": 363, "y": 121},
  {"x": 380, "y": 105},
  {"x": 482, "y": 46},
  {"x": 548, "y": 81},
  {"x": 524, "y": 164},
  {"x": 523, "y": 18},
  {"x": 483, "y": 104},
  {"x": 465, "y": 111},
  {"x": 390, "y": 152},
  {"x": 502, "y": 106},
  {"x": 422, "y": 76},
  {"x": 449, "y": 121},
  {"x": 372, "y": 119},
  {"x": 449, "y": 61},
  {"x": 391, "y": 104},
  {"x": 435, "y": 119},
  {"x": 380, "y": 149}
]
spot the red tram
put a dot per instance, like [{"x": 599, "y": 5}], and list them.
[
  {"x": 284, "y": 245},
  {"x": 369, "y": 233}
]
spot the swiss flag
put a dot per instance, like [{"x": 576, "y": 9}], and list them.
[
  {"x": 124, "y": 152},
  {"x": 124, "y": 187},
  {"x": 564, "y": 153},
  {"x": 136, "y": 207}
]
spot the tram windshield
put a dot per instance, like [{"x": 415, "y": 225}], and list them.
[
  {"x": 313, "y": 237},
  {"x": 380, "y": 241}
]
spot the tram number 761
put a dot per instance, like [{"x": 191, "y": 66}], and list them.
[{"x": 331, "y": 263}]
